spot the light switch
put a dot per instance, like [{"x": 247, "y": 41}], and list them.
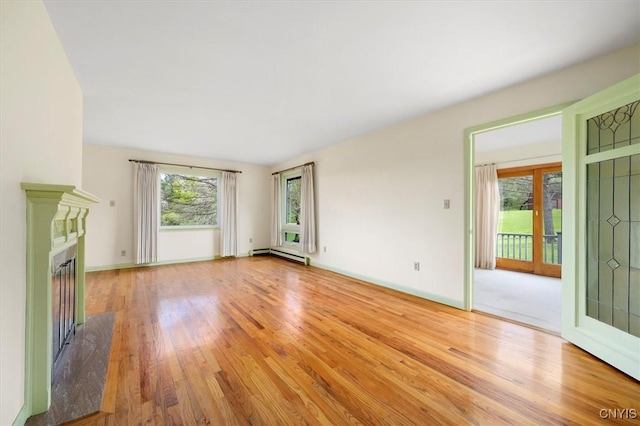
[
  {"x": 447, "y": 204},
  {"x": 112, "y": 203}
]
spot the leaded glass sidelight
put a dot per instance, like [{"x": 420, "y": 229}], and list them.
[
  {"x": 614, "y": 129},
  {"x": 613, "y": 221}
]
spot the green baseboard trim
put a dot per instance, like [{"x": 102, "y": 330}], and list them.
[
  {"x": 22, "y": 417},
  {"x": 164, "y": 262},
  {"x": 146, "y": 265},
  {"x": 459, "y": 304},
  {"x": 110, "y": 267}
]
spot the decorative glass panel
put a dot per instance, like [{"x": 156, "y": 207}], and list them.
[
  {"x": 613, "y": 221},
  {"x": 614, "y": 129}
]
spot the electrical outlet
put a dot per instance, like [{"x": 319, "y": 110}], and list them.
[
  {"x": 416, "y": 266},
  {"x": 325, "y": 249},
  {"x": 250, "y": 240},
  {"x": 447, "y": 204},
  {"x": 123, "y": 252},
  {"x": 112, "y": 203}
]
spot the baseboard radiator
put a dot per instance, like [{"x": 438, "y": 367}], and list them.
[
  {"x": 257, "y": 252},
  {"x": 295, "y": 257}
]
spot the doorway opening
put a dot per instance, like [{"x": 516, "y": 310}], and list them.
[
  {"x": 600, "y": 133},
  {"x": 522, "y": 282}
]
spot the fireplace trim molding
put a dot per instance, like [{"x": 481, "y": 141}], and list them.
[{"x": 56, "y": 220}]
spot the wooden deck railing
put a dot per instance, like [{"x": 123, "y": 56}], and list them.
[{"x": 520, "y": 247}]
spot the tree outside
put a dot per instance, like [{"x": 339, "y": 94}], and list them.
[
  {"x": 516, "y": 195},
  {"x": 188, "y": 200},
  {"x": 293, "y": 200},
  {"x": 293, "y": 187},
  {"x": 516, "y": 216},
  {"x": 551, "y": 199}
]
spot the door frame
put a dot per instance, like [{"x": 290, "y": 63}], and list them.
[
  {"x": 469, "y": 205},
  {"x": 614, "y": 346}
]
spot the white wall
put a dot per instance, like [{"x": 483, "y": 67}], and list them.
[
  {"x": 380, "y": 196},
  {"x": 41, "y": 141},
  {"x": 521, "y": 155},
  {"x": 108, "y": 174}
]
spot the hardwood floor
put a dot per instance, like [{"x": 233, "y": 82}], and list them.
[{"x": 265, "y": 341}]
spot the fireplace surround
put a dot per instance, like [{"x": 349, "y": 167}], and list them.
[{"x": 56, "y": 223}]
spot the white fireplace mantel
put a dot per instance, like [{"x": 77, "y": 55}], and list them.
[{"x": 56, "y": 220}]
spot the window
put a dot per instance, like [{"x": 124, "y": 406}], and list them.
[
  {"x": 291, "y": 183},
  {"x": 188, "y": 200}
]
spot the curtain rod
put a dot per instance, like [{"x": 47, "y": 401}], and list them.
[
  {"x": 183, "y": 165},
  {"x": 310, "y": 163}
]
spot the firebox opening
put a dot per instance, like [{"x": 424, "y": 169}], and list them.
[{"x": 63, "y": 301}]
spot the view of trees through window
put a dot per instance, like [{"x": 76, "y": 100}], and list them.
[
  {"x": 516, "y": 195},
  {"x": 515, "y": 237},
  {"x": 292, "y": 212},
  {"x": 552, "y": 202},
  {"x": 293, "y": 200},
  {"x": 188, "y": 200},
  {"x": 516, "y": 202}
]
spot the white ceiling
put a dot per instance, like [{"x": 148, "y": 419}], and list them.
[{"x": 263, "y": 82}]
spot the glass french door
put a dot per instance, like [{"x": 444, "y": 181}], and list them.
[
  {"x": 601, "y": 262},
  {"x": 530, "y": 221}
]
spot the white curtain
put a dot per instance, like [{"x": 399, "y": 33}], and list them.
[
  {"x": 276, "y": 212},
  {"x": 487, "y": 208},
  {"x": 145, "y": 204},
  {"x": 228, "y": 217},
  {"x": 307, "y": 212}
]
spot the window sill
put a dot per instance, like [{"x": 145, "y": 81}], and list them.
[{"x": 188, "y": 228}]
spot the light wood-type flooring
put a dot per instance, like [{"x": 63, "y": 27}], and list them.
[{"x": 265, "y": 341}]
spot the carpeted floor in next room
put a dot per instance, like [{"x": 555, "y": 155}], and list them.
[{"x": 526, "y": 298}]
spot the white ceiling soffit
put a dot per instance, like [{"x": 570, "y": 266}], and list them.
[
  {"x": 263, "y": 82},
  {"x": 548, "y": 129}
]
